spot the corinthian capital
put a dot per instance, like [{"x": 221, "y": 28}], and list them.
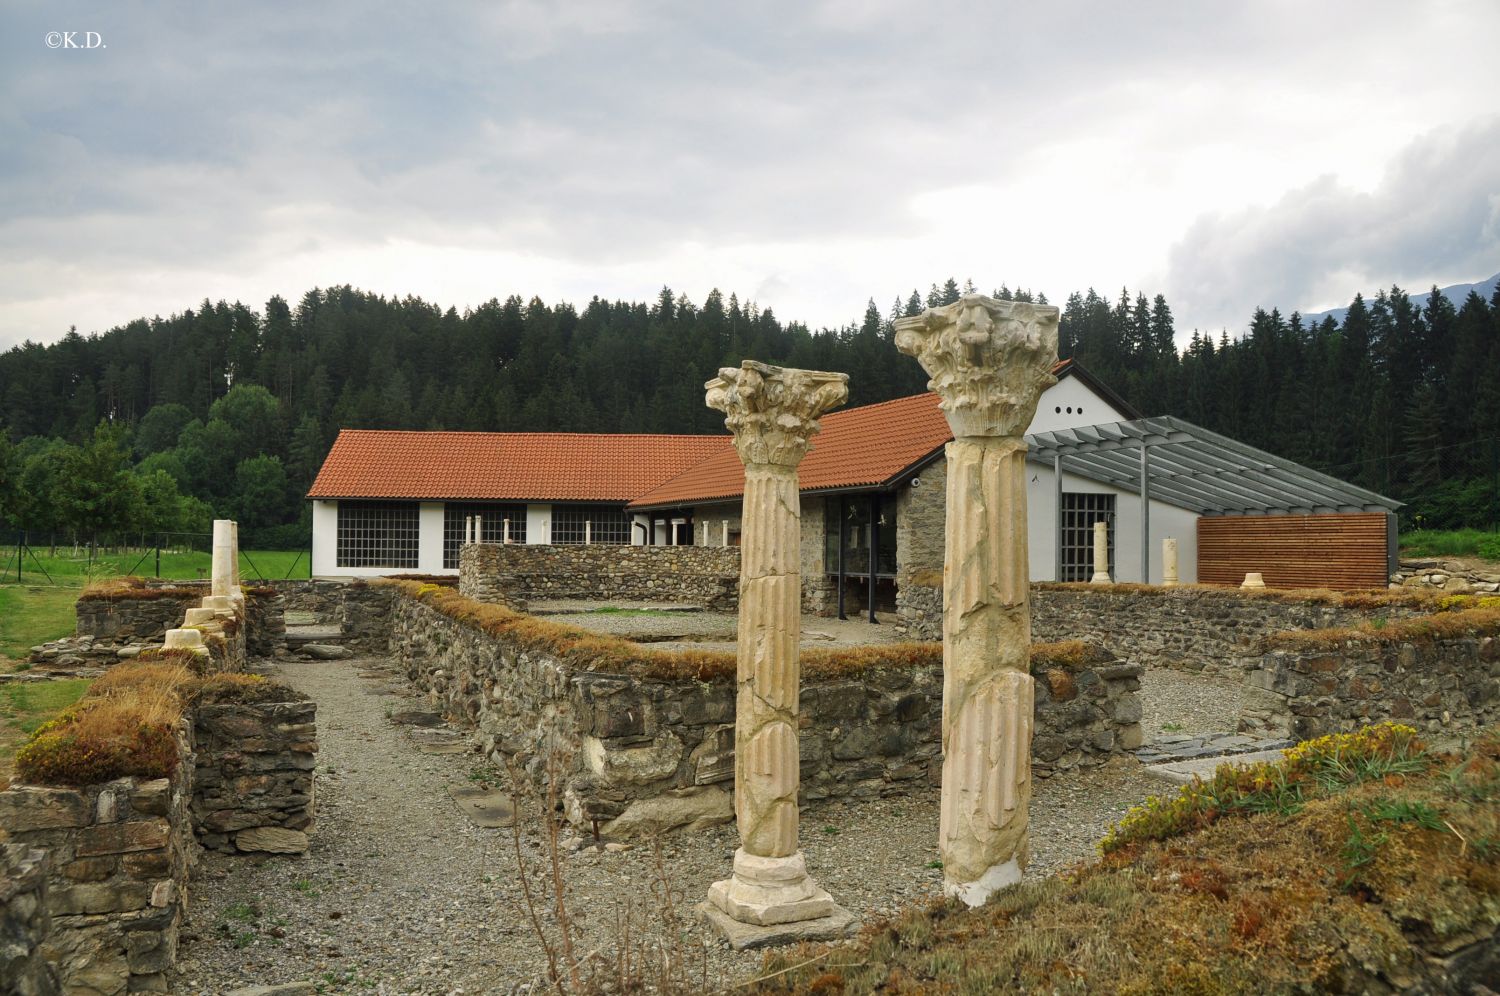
[
  {"x": 773, "y": 411},
  {"x": 989, "y": 360}
]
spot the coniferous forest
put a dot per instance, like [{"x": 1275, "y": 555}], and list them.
[{"x": 163, "y": 423}]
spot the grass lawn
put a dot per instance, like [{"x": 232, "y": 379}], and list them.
[
  {"x": 24, "y": 707},
  {"x": 30, "y": 615},
  {"x": 74, "y": 570},
  {"x": 1451, "y": 543}
]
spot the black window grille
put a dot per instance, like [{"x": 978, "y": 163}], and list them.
[
  {"x": 601, "y": 523},
  {"x": 377, "y": 534},
  {"x": 492, "y": 519},
  {"x": 855, "y": 510},
  {"x": 1079, "y": 513}
]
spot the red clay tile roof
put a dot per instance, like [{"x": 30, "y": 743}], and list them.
[
  {"x": 855, "y": 448},
  {"x": 858, "y": 447},
  {"x": 540, "y": 466}
]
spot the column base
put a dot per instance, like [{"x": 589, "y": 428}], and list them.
[
  {"x": 766, "y": 891},
  {"x": 1100, "y": 578},
  {"x": 837, "y": 924},
  {"x": 979, "y": 891}
]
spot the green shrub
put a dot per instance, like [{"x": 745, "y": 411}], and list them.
[{"x": 1313, "y": 768}]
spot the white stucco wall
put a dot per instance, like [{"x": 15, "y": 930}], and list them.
[
  {"x": 430, "y": 539},
  {"x": 325, "y": 522},
  {"x": 1069, "y": 404},
  {"x": 1166, "y": 520},
  {"x": 538, "y": 525},
  {"x": 325, "y": 534}
]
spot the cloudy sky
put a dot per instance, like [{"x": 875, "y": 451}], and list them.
[{"x": 808, "y": 155}]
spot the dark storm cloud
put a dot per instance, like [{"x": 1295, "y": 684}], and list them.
[
  {"x": 229, "y": 138},
  {"x": 1434, "y": 218}
]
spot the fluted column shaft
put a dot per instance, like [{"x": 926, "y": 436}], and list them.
[
  {"x": 987, "y": 686},
  {"x": 773, "y": 413},
  {"x": 766, "y": 764},
  {"x": 222, "y": 574},
  {"x": 989, "y": 362}
]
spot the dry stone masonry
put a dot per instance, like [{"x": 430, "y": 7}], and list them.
[
  {"x": 118, "y": 857},
  {"x": 25, "y": 923},
  {"x": 1303, "y": 692},
  {"x": 1214, "y": 631},
  {"x": 659, "y": 753},
  {"x": 253, "y": 777},
  {"x": 517, "y": 574},
  {"x": 989, "y": 362}
]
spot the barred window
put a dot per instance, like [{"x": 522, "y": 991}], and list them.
[
  {"x": 604, "y": 524},
  {"x": 377, "y": 534},
  {"x": 1079, "y": 513},
  {"x": 492, "y": 523}
]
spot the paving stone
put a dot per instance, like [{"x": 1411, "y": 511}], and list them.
[
  {"x": 1183, "y": 772},
  {"x": 488, "y": 808},
  {"x": 417, "y": 717},
  {"x": 743, "y": 936},
  {"x": 440, "y": 741}
]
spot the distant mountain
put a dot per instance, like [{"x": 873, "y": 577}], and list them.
[{"x": 1456, "y": 294}]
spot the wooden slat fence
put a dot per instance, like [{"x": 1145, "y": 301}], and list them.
[{"x": 1340, "y": 551}]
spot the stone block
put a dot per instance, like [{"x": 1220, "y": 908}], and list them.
[
  {"x": 89, "y": 869},
  {"x": 152, "y": 798},
  {"x": 273, "y": 840},
  {"x": 119, "y": 838},
  {"x": 693, "y": 808},
  {"x": 99, "y": 897},
  {"x": 33, "y": 807}
]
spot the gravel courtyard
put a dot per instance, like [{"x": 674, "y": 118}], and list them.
[{"x": 402, "y": 894}]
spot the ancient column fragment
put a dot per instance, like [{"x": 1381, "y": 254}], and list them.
[
  {"x": 234, "y": 557},
  {"x": 1101, "y": 553},
  {"x": 989, "y": 362},
  {"x": 222, "y": 572},
  {"x": 773, "y": 413},
  {"x": 1169, "y": 562}
]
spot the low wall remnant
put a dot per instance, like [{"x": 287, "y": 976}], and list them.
[
  {"x": 1188, "y": 627},
  {"x": 652, "y": 748},
  {"x": 517, "y": 574},
  {"x": 1436, "y": 675}
]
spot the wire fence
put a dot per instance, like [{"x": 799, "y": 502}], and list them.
[{"x": 70, "y": 559}]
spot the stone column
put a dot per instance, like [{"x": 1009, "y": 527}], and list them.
[
  {"x": 989, "y": 362},
  {"x": 773, "y": 413},
  {"x": 1101, "y": 553},
  {"x": 234, "y": 556},
  {"x": 1169, "y": 562},
  {"x": 222, "y": 575}
]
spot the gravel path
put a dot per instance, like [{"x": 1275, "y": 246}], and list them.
[
  {"x": 1183, "y": 702},
  {"x": 401, "y": 894},
  {"x": 716, "y": 630}
]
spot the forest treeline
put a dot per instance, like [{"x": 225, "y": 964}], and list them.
[{"x": 162, "y": 423}]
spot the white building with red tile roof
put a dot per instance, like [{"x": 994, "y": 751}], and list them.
[{"x": 398, "y": 502}]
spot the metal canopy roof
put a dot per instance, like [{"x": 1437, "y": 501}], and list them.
[{"x": 1199, "y": 470}]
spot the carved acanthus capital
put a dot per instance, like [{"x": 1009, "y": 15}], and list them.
[
  {"x": 773, "y": 411},
  {"x": 989, "y": 360}
]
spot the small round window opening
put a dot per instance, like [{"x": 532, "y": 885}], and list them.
[
  {"x": 1058, "y": 409},
  {"x": 1070, "y": 409}
]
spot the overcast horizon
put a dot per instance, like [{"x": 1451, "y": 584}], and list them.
[{"x": 806, "y": 156}]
